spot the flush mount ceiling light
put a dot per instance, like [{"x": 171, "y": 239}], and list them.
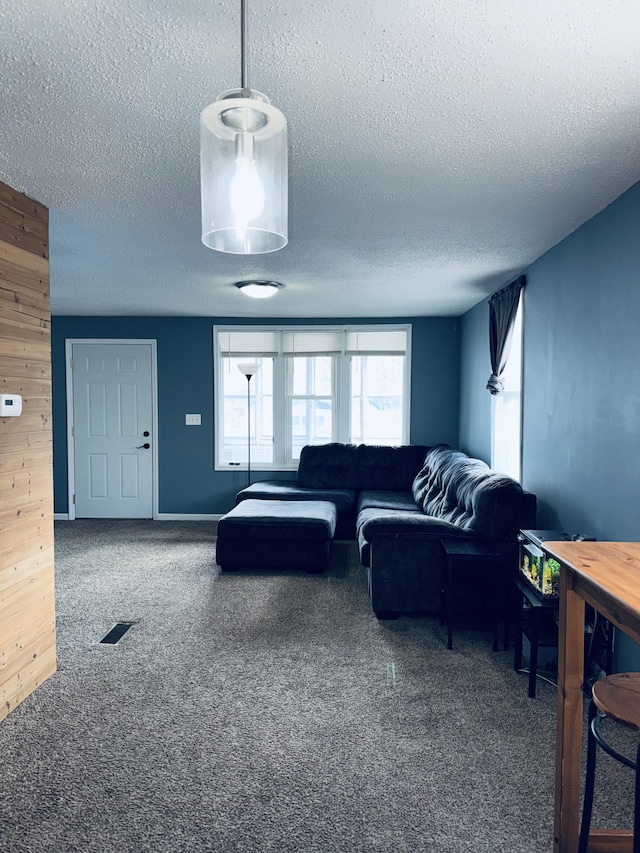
[
  {"x": 243, "y": 169},
  {"x": 258, "y": 289}
]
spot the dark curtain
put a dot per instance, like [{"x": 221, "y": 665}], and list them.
[{"x": 503, "y": 306}]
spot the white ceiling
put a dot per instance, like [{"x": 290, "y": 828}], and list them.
[{"x": 436, "y": 147}]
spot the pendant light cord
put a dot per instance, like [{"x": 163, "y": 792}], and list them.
[{"x": 243, "y": 48}]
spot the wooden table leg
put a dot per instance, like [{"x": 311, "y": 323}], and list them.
[{"x": 569, "y": 732}]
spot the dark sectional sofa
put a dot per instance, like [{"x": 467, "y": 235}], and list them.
[{"x": 400, "y": 503}]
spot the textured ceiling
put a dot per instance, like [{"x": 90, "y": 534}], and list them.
[{"x": 436, "y": 147}]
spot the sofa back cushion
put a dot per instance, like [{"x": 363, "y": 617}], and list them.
[
  {"x": 466, "y": 492},
  {"x": 490, "y": 504},
  {"x": 328, "y": 466},
  {"x": 429, "y": 485},
  {"x": 389, "y": 468}
]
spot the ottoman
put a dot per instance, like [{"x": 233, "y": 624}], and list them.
[{"x": 276, "y": 534}]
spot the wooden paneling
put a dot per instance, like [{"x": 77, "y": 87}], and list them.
[
  {"x": 23, "y": 460},
  {"x": 12, "y": 442},
  {"x": 25, "y": 369},
  {"x": 27, "y": 607}
]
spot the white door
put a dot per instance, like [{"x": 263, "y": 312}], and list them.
[{"x": 112, "y": 429}]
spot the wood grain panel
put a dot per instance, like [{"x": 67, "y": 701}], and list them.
[
  {"x": 18, "y": 330},
  {"x": 22, "y": 234},
  {"x": 27, "y": 620},
  {"x": 31, "y": 389},
  {"x": 26, "y": 298},
  {"x": 16, "y": 548},
  {"x": 32, "y": 593},
  {"x": 28, "y": 583},
  {"x": 15, "y": 690},
  {"x": 36, "y": 228},
  {"x": 24, "y": 460},
  {"x": 20, "y": 257},
  {"x": 40, "y": 351},
  {"x": 18, "y": 278},
  {"x": 26, "y": 493},
  {"x": 29, "y": 644},
  {"x": 23, "y": 487},
  {"x": 22, "y": 204},
  {"x": 27, "y": 606},
  {"x": 11, "y": 310},
  {"x": 30, "y": 518},
  {"x": 10, "y": 557},
  {"x": 28, "y": 562},
  {"x": 16, "y": 441},
  {"x": 21, "y": 368},
  {"x": 28, "y": 422}
]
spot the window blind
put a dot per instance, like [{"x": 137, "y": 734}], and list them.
[
  {"x": 334, "y": 341},
  {"x": 248, "y": 342},
  {"x": 376, "y": 342}
]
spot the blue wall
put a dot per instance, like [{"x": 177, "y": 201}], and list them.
[
  {"x": 187, "y": 482},
  {"x": 581, "y": 392}
]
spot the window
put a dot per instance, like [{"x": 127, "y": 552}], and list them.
[
  {"x": 313, "y": 385},
  {"x": 376, "y": 399},
  {"x": 506, "y": 410}
]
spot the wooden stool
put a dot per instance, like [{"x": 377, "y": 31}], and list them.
[{"x": 617, "y": 697}]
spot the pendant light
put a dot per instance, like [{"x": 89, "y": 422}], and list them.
[{"x": 243, "y": 169}]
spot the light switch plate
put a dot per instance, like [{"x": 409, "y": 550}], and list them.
[{"x": 193, "y": 420}]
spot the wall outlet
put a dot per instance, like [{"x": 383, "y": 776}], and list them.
[{"x": 193, "y": 420}]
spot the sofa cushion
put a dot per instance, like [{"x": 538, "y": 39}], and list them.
[
  {"x": 381, "y": 499},
  {"x": 495, "y": 506},
  {"x": 475, "y": 498},
  {"x": 428, "y": 483},
  {"x": 280, "y": 520},
  {"x": 466, "y": 492},
  {"x": 392, "y": 524},
  {"x": 328, "y": 466},
  {"x": 402, "y": 525},
  {"x": 285, "y": 490},
  {"x": 389, "y": 468}
]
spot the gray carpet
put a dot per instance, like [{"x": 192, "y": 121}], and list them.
[{"x": 265, "y": 712}]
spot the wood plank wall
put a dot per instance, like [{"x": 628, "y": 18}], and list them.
[{"x": 27, "y": 607}]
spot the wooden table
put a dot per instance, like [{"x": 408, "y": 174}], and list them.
[{"x": 607, "y": 576}]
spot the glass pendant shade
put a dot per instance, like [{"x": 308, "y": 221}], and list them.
[{"x": 243, "y": 174}]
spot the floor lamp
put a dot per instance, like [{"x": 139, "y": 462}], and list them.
[{"x": 249, "y": 370}]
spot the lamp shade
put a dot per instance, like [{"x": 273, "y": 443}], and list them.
[
  {"x": 249, "y": 368},
  {"x": 243, "y": 174}
]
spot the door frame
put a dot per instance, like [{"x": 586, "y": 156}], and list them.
[{"x": 71, "y": 463}]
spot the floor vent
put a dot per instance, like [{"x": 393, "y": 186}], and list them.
[{"x": 116, "y": 633}]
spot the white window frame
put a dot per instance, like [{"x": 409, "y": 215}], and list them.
[
  {"x": 290, "y": 396},
  {"x": 282, "y": 460},
  {"x": 507, "y": 431}
]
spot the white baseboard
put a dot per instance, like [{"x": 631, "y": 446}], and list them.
[{"x": 161, "y": 516}]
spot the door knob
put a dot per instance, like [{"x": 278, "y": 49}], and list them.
[
  {"x": 146, "y": 433},
  {"x": 144, "y": 446}
]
